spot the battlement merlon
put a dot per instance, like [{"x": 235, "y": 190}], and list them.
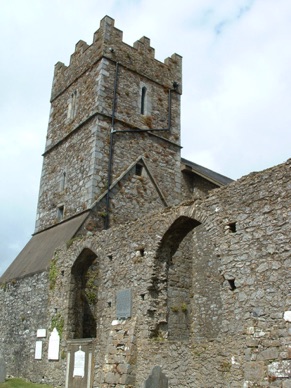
[{"x": 107, "y": 43}]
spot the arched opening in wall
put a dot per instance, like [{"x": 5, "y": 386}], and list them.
[
  {"x": 170, "y": 290},
  {"x": 83, "y": 295}
]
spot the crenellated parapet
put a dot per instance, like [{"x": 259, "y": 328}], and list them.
[{"x": 108, "y": 43}]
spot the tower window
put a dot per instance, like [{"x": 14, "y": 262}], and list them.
[
  {"x": 60, "y": 213},
  {"x": 72, "y": 108},
  {"x": 63, "y": 181},
  {"x": 143, "y": 100}
]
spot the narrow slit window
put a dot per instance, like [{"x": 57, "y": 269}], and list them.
[
  {"x": 143, "y": 100},
  {"x": 72, "y": 108},
  {"x": 63, "y": 181},
  {"x": 60, "y": 213}
]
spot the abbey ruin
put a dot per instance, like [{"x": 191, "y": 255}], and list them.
[{"x": 145, "y": 269}]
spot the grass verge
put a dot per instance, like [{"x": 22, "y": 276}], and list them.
[{"x": 19, "y": 383}]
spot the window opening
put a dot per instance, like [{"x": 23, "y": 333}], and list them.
[
  {"x": 72, "y": 108},
  {"x": 141, "y": 251},
  {"x": 60, "y": 213},
  {"x": 232, "y": 284},
  {"x": 143, "y": 100},
  {"x": 232, "y": 227},
  {"x": 63, "y": 181},
  {"x": 138, "y": 169}
]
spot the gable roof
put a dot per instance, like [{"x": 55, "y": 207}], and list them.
[
  {"x": 38, "y": 252},
  {"x": 212, "y": 176}
]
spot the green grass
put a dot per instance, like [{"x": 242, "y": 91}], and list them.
[{"x": 19, "y": 383}]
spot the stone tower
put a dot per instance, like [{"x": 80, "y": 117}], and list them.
[{"x": 113, "y": 139}]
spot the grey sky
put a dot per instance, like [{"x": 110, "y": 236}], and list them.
[{"x": 236, "y": 90}]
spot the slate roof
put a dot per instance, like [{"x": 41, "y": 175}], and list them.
[
  {"x": 38, "y": 252},
  {"x": 212, "y": 176}
]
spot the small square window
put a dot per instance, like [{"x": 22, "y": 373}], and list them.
[
  {"x": 232, "y": 284},
  {"x": 138, "y": 169},
  {"x": 232, "y": 227}
]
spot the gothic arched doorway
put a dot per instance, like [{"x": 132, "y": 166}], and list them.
[
  {"x": 171, "y": 282},
  {"x": 83, "y": 295}
]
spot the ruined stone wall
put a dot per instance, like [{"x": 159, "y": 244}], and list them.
[
  {"x": 207, "y": 282},
  {"x": 237, "y": 300},
  {"x": 24, "y": 310},
  {"x": 225, "y": 324}
]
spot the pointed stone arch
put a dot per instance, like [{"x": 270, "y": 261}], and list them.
[
  {"x": 83, "y": 295},
  {"x": 176, "y": 233},
  {"x": 170, "y": 287}
]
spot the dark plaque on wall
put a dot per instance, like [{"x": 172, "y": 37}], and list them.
[{"x": 123, "y": 303}]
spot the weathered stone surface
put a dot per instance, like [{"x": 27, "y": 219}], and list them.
[
  {"x": 157, "y": 379},
  {"x": 286, "y": 384},
  {"x": 2, "y": 369},
  {"x": 280, "y": 369},
  {"x": 268, "y": 354},
  {"x": 221, "y": 326},
  {"x": 80, "y": 127},
  {"x": 210, "y": 278},
  {"x": 254, "y": 371}
]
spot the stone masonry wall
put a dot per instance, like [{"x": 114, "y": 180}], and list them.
[
  {"x": 237, "y": 301},
  {"x": 194, "y": 187},
  {"x": 85, "y": 111},
  {"x": 72, "y": 190},
  {"x": 107, "y": 42},
  {"x": 235, "y": 311},
  {"x": 24, "y": 310}
]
